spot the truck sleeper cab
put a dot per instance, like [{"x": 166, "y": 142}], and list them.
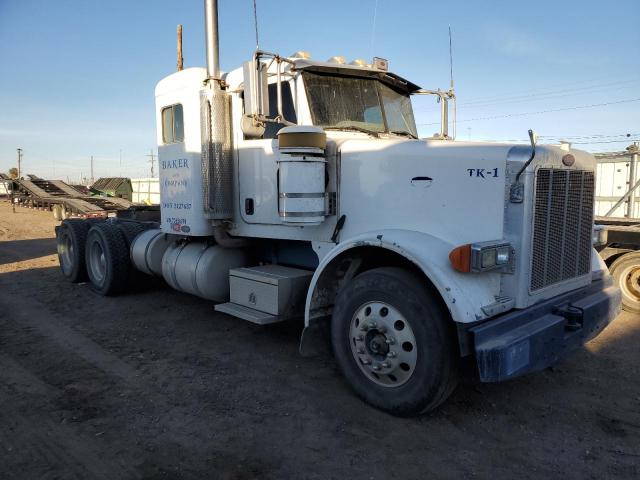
[{"x": 294, "y": 188}]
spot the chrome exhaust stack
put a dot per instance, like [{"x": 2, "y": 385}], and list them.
[
  {"x": 215, "y": 109},
  {"x": 211, "y": 36}
]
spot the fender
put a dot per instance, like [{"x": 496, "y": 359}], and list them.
[{"x": 463, "y": 293}]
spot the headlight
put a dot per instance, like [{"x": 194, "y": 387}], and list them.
[
  {"x": 599, "y": 236},
  {"x": 481, "y": 257},
  {"x": 503, "y": 255}
]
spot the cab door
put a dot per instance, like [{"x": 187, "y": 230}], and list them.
[{"x": 258, "y": 164}]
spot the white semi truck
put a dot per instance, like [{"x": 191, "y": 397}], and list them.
[{"x": 298, "y": 189}]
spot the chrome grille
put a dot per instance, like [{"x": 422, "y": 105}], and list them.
[{"x": 562, "y": 224}]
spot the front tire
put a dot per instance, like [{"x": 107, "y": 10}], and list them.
[{"x": 393, "y": 342}]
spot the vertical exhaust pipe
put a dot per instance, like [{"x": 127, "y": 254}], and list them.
[
  {"x": 215, "y": 109},
  {"x": 211, "y": 33}
]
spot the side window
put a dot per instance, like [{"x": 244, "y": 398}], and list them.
[
  {"x": 288, "y": 109},
  {"x": 172, "y": 124}
]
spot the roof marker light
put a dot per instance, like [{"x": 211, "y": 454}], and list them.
[
  {"x": 337, "y": 59},
  {"x": 301, "y": 54}
]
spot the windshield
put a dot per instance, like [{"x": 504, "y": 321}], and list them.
[{"x": 353, "y": 103}]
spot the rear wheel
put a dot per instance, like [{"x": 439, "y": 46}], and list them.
[
  {"x": 71, "y": 237},
  {"x": 107, "y": 259},
  {"x": 626, "y": 273},
  {"x": 393, "y": 342},
  {"x": 130, "y": 230}
]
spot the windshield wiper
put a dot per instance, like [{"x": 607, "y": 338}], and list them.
[
  {"x": 356, "y": 128},
  {"x": 404, "y": 133}
]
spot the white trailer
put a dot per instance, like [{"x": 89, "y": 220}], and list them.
[
  {"x": 618, "y": 220},
  {"x": 293, "y": 188},
  {"x": 145, "y": 190}
]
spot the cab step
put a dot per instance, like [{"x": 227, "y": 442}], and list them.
[{"x": 245, "y": 313}]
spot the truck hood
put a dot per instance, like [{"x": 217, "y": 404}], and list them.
[{"x": 453, "y": 190}]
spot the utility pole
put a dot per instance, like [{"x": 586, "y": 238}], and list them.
[
  {"x": 92, "y": 179},
  {"x": 633, "y": 165},
  {"x": 19, "y": 163},
  {"x": 151, "y": 160}
]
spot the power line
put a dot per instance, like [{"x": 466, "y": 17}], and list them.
[
  {"x": 522, "y": 114},
  {"x": 549, "y": 96},
  {"x": 591, "y": 136},
  {"x": 578, "y": 138},
  {"x": 503, "y": 100},
  {"x": 542, "y": 94},
  {"x": 629, "y": 140},
  {"x": 557, "y": 85}
]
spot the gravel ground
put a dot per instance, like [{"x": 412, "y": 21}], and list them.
[{"x": 155, "y": 384}]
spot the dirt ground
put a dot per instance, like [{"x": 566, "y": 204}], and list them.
[{"x": 156, "y": 385}]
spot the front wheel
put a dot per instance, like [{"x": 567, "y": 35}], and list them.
[
  {"x": 394, "y": 343},
  {"x": 626, "y": 273}
]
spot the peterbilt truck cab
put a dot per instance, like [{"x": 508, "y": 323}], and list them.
[{"x": 297, "y": 189}]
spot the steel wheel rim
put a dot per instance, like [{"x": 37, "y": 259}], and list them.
[
  {"x": 98, "y": 262},
  {"x": 65, "y": 253},
  {"x": 630, "y": 284},
  {"x": 383, "y": 344}
]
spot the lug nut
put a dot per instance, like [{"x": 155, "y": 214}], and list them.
[
  {"x": 391, "y": 354},
  {"x": 361, "y": 350},
  {"x": 366, "y": 361},
  {"x": 386, "y": 364},
  {"x": 382, "y": 329},
  {"x": 373, "y": 325},
  {"x": 359, "y": 338},
  {"x": 376, "y": 367},
  {"x": 390, "y": 341}
]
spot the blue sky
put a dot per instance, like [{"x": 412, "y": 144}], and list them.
[{"x": 77, "y": 77}]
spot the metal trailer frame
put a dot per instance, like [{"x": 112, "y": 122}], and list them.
[{"x": 44, "y": 194}]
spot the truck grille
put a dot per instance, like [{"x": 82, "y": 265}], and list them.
[{"x": 562, "y": 224}]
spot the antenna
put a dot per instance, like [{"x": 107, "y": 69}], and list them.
[
  {"x": 450, "y": 60},
  {"x": 373, "y": 29},
  {"x": 255, "y": 22}
]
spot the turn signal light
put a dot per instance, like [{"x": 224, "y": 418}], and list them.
[
  {"x": 481, "y": 257},
  {"x": 460, "y": 258}
]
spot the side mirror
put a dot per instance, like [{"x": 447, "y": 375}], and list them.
[{"x": 256, "y": 94}]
